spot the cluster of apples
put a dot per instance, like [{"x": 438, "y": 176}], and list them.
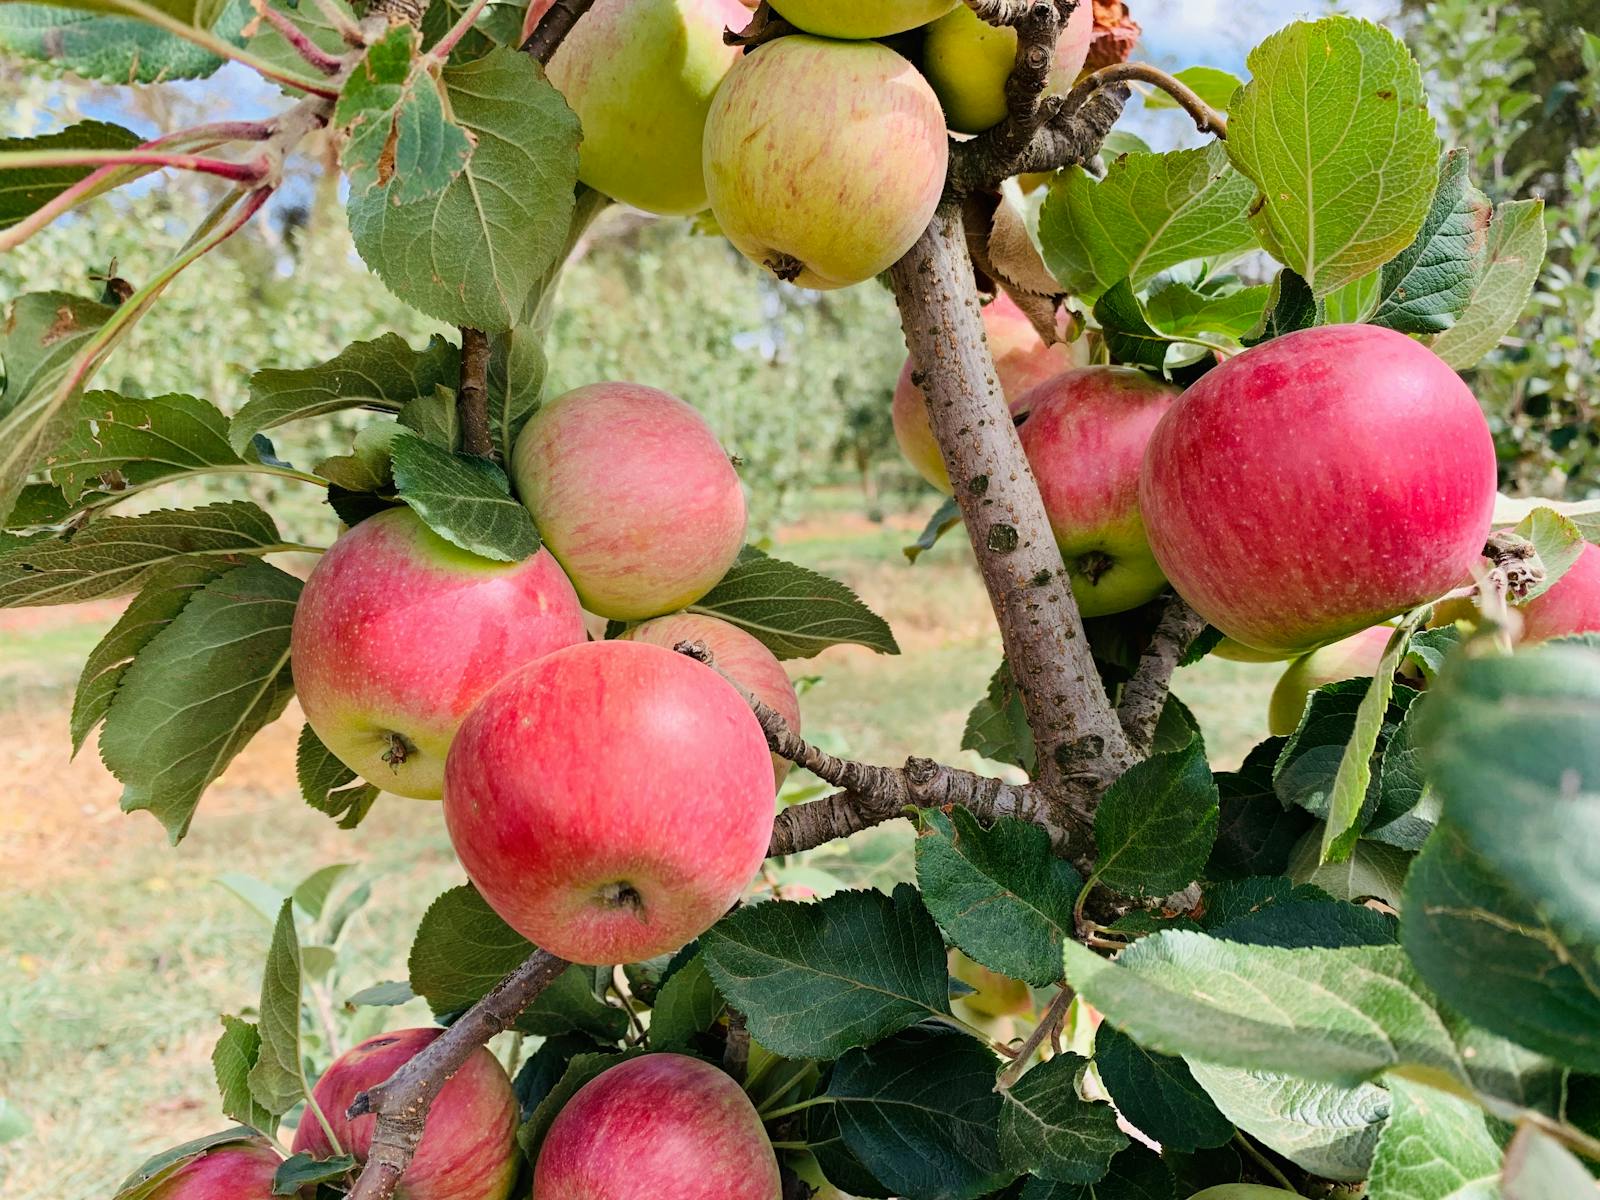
[{"x": 821, "y": 154}]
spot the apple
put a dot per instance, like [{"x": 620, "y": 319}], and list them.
[
  {"x": 997, "y": 995},
  {"x": 852, "y": 19},
  {"x": 968, "y": 61},
  {"x": 1244, "y": 1191},
  {"x": 1085, "y": 434},
  {"x": 633, "y": 495},
  {"x": 1569, "y": 606},
  {"x": 398, "y": 633},
  {"x": 469, "y": 1142},
  {"x": 738, "y": 655},
  {"x": 1352, "y": 658},
  {"x": 824, "y": 160},
  {"x": 640, "y": 74},
  {"x": 1318, "y": 484},
  {"x": 1021, "y": 359},
  {"x": 662, "y": 1125},
  {"x": 1234, "y": 651},
  {"x": 611, "y": 800},
  {"x": 236, "y": 1171}
]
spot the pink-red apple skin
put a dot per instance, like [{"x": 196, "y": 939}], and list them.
[
  {"x": 1021, "y": 360},
  {"x": 238, "y": 1171},
  {"x": 469, "y": 1141},
  {"x": 399, "y": 632},
  {"x": 633, "y": 495},
  {"x": 1085, "y": 435},
  {"x": 659, "y": 1127},
  {"x": 739, "y": 656},
  {"x": 610, "y": 801},
  {"x": 1355, "y": 656},
  {"x": 1318, "y": 484}
]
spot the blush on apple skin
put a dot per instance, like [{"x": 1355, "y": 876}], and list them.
[
  {"x": 663, "y": 1125},
  {"x": 469, "y": 1141},
  {"x": 240, "y": 1171},
  {"x": 610, "y": 801},
  {"x": 398, "y": 632},
  {"x": 1355, "y": 656},
  {"x": 1318, "y": 484}
]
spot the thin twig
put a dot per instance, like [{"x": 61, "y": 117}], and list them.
[
  {"x": 246, "y": 172},
  {"x": 472, "y": 394},
  {"x": 1145, "y": 695},
  {"x": 1206, "y": 118},
  {"x": 299, "y": 42},
  {"x": 553, "y": 28},
  {"x": 1262, "y": 1161},
  {"x": 1049, "y": 1024},
  {"x": 441, "y": 49}
]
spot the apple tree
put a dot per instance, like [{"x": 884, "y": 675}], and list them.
[{"x": 1185, "y": 403}]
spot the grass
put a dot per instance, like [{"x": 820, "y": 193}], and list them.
[{"x": 119, "y": 951}]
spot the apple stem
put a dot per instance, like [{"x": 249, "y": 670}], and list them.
[
  {"x": 1049, "y": 1026},
  {"x": 1206, "y": 119},
  {"x": 1145, "y": 694},
  {"x": 553, "y": 28},
  {"x": 765, "y": 26}
]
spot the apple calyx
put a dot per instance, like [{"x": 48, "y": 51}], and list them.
[
  {"x": 621, "y": 894},
  {"x": 1517, "y": 559},
  {"x": 1093, "y": 565},
  {"x": 400, "y": 749},
  {"x": 785, "y": 266}
]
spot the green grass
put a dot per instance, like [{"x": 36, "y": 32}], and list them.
[{"x": 120, "y": 951}]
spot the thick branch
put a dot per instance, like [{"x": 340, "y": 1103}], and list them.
[
  {"x": 401, "y": 1102},
  {"x": 1145, "y": 695},
  {"x": 472, "y": 394},
  {"x": 553, "y": 28},
  {"x": 1206, "y": 118}
]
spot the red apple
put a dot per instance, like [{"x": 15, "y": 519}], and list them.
[
  {"x": 398, "y": 633},
  {"x": 738, "y": 655},
  {"x": 1021, "y": 359},
  {"x": 1351, "y": 658},
  {"x": 237, "y": 1171},
  {"x": 610, "y": 801},
  {"x": 469, "y": 1143},
  {"x": 1085, "y": 435},
  {"x": 1318, "y": 484},
  {"x": 633, "y": 495},
  {"x": 659, "y": 1127}
]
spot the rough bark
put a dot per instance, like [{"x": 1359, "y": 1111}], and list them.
[{"x": 1145, "y": 695}]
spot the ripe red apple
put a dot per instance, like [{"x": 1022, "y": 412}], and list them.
[
  {"x": 663, "y": 1125},
  {"x": 610, "y": 801},
  {"x": 633, "y": 495},
  {"x": 824, "y": 160},
  {"x": 237, "y": 1171},
  {"x": 398, "y": 633},
  {"x": 738, "y": 655},
  {"x": 469, "y": 1142},
  {"x": 1351, "y": 658},
  {"x": 1021, "y": 359},
  {"x": 640, "y": 74},
  {"x": 1085, "y": 435},
  {"x": 968, "y": 61},
  {"x": 852, "y": 19},
  {"x": 1318, "y": 484}
]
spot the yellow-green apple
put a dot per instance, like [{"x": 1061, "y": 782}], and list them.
[
  {"x": 995, "y": 995},
  {"x": 1352, "y": 658},
  {"x": 662, "y": 1125},
  {"x": 398, "y": 633},
  {"x": 824, "y": 160},
  {"x": 610, "y": 801},
  {"x": 236, "y": 1171},
  {"x": 640, "y": 74},
  {"x": 1318, "y": 484},
  {"x": 852, "y": 19},
  {"x": 968, "y": 61},
  {"x": 469, "y": 1141},
  {"x": 1244, "y": 1191},
  {"x": 1238, "y": 652},
  {"x": 736, "y": 654},
  {"x": 1021, "y": 359},
  {"x": 633, "y": 495},
  {"x": 1084, "y": 435}
]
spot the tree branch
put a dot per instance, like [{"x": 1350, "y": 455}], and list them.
[
  {"x": 553, "y": 28},
  {"x": 1003, "y": 12},
  {"x": 472, "y": 394},
  {"x": 401, "y": 1102},
  {"x": 1145, "y": 695},
  {"x": 1206, "y": 118}
]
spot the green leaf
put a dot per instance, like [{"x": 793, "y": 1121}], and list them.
[
  {"x": 794, "y": 612},
  {"x": 382, "y": 374},
  {"x": 1135, "y": 1174},
  {"x": 1255, "y": 832},
  {"x": 1434, "y": 1147},
  {"x": 814, "y": 979},
  {"x": 1407, "y": 808},
  {"x": 26, "y": 189},
  {"x": 1308, "y": 767},
  {"x": 1538, "y": 1167},
  {"x": 464, "y": 499},
  {"x": 463, "y": 949},
  {"x": 1150, "y": 213},
  {"x": 114, "y": 49},
  {"x": 157, "y": 1169},
  {"x": 920, "y": 1112},
  {"x": 1214, "y": 86},
  {"x": 369, "y": 467},
  {"x": 277, "y": 1081},
  {"x": 1047, "y": 1130},
  {"x": 199, "y": 691},
  {"x": 434, "y": 418},
  {"x": 580, "y": 1070},
  {"x": 393, "y": 116},
  {"x": 1489, "y": 954},
  {"x": 1158, "y": 1094},
  {"x": 687, "y": 1005},
  {"x": 1182, "y": 311},
  {"x": 1430, "y": 284},
  {"x": 1354, "y": 302},
  {"x": 1334, "y": 130},
  {"x": 1156, "y": 824},
  {"x": 302, "y": 1171},
  {"x": 1558, "y": 542},
  {"x": 945, "y": 518},
  {"x": 997, "y": 726},
  {"x": 1327, "y": 1129},
  {"x": 1511, "y": 266},
  {"x": 1001, "y": 894},
  {"x": 1290, "y": 308},
  {"x": 1130, "y": 338},
  {"x": 329, "y": 786},
  {"x": 1429, "y": 647},
  {"x": 121, "y": 441},
  {"x": 232, "y": 1060},
  {"x": 474, "y": 253},
  {"x": 312, "y": 892},
  {"x": 391, "y": 993},
  {"x": 1372, "y": 870},
  {"x": 1513, "y": 747},
  {"x": 517, "y": 369}
]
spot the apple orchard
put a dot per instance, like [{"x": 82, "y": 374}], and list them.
[{"x": 1200, "y": 402}]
